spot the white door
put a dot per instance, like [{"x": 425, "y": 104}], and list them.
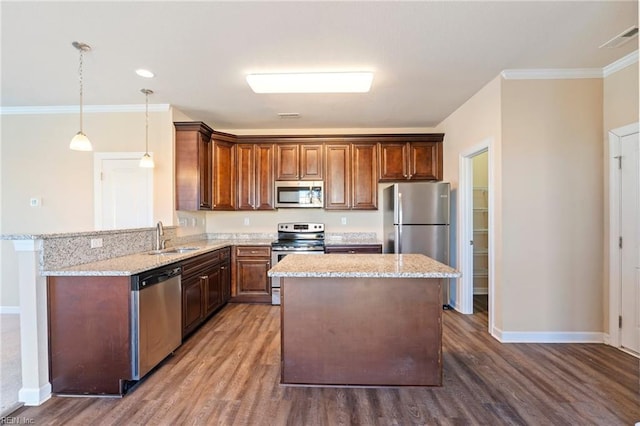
[
  {"x": 630, "y": 234},
  {"x": 124, "y": 192}
]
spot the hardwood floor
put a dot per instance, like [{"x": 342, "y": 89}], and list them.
[{"x": 227, "y": 373}]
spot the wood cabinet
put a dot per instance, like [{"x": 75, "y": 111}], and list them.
[
  {"x": 296, "y": 161},
  {"x": 193, "y": 166},
  {"x": 415, "y": 160},
  {"x": 205, "y": 287},
  {"x": 89, "y": 334},
  {"x": 354, "y": 248},
  {"x": 250, "y": 281},
  {"x": 255, "y": 168},
  {"x": 224, "y": 171},
  {"x": 351, "y": 176}
]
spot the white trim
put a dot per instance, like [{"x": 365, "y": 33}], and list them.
[
  {"x": 464, "y": 289},
  {"x": 10, "y": 310},
  {"x": 615, "y": 135},
  {"x": 34, "y": 396},
  {"x": 98, "y": 157},
  {"x": 27, "y": 245},
  {"x": 621, "y": 63},
  {"x": 551, "y": 73},
  {"x": 549, "y": 336},
  {"x": 73, "y": 109}
]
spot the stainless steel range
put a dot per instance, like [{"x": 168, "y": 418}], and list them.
[{"x": 298, "y": 238}]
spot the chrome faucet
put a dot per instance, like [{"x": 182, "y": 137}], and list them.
[{"x": 160, "y": 242}]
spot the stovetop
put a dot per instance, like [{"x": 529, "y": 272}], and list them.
[{"x": 299, "y": 236}]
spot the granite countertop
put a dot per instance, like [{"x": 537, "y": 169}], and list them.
[
  {"x": 140, "y": 262},
  {"x": 361, "y": 266},
  {"x": 351, "y": 239}
]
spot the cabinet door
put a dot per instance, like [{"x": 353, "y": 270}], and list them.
[
  {"x": 393, "y": 161},
  {"x": 213, "y": 291},
  {"x": 264, "y": 177},
  {"x": 192, "y": 301},
  {"x": 193, "y": 166},
  {"x": 287, "y": 159},
  {"x": 252, "y": 280},
  {"x": 224, "y": 185},
  {"x": 425, "y": 160},
  {"x": 338, "y": 182},
  {"x": 364, "y": 161},
  {"x": 246, "y": 176},
  {"x": 225, "y": 281},
  {"x": 310, "y": 162}
]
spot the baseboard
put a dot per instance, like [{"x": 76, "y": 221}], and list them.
[
  {"x": 548, "y": 336},
  {"x": 9, "y": 309},
  {"x": 33, "y": 396}
]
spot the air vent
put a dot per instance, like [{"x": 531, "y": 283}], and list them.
[
  {"x": 289, "y": 114},
  {"x": 622, "y": 38}
]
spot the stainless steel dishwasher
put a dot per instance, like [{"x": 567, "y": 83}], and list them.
[{"x": 156, "y": 317}]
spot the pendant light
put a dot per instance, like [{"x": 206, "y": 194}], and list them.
[
  {"x": 146, "y": 161},
  {"x": 80, "y": 141}
]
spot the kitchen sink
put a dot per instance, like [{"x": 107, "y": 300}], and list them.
[{"x": 177, "y": 250}]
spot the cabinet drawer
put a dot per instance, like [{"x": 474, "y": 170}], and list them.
[
  {"x": 354, "y": 249},
  {"x": 204, "y": 261},
  {"x": 253, "y": 251}
]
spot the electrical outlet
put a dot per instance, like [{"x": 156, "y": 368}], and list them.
[
  {"x": 343, "y": 220},
  {"x": 35, "y": 202},
  {"x": 96, "y": 242},
  {"x": 246, "y": 221}
]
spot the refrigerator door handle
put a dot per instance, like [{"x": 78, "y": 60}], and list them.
[{"x": 399, "y": 244}]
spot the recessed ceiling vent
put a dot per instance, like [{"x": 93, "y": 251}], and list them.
[
  {"x": 622, "y": 38},
  {"x": 289, "y": 114}
]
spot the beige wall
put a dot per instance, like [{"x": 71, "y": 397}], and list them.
[
  {"x": 36, "y": 162},
  {"x": 552, "y": 202},
  {"x": 471, "y": 126}
]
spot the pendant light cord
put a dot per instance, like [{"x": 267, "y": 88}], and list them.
[
  {"x": 80, "y": 80},
  {"x": 146, "y": 123}
]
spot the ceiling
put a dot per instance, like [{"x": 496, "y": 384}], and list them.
[{"x": 428, "y": 57}]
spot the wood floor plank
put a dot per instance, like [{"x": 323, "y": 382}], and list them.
[{"x": 228, "y": 373}]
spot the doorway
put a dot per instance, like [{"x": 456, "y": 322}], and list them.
[
  {"x": 624, "y": 240},
  {"x": 475, "y": 238},
  {"x": 123, "y": 191}
]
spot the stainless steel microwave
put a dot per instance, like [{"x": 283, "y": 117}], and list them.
[{"x": 299, "y": 194}]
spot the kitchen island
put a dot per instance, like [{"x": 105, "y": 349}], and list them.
[{"x": 361, "y": 319}]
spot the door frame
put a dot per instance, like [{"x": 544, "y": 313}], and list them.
[
  {"x": 464, "y": 290},
  {"x": 98, "y": 157},
  {"x": 615, "y": 137}
]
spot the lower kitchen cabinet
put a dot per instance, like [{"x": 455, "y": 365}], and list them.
[
  {"x": 250, "y": 280},
  {"x": 354, "y": 248},
  {"x": 205, "y": 287}
]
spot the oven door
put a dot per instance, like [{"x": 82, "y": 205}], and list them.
[{"x": 277, "y": 256}]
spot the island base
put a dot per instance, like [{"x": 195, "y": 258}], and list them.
[{"x": 361, "y": 331}]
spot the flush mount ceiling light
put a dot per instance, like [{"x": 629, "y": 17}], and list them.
[
  {"x": 317, "y": 82},
  {"x": 145, "y": 73},
  {"x": 146, "y": 161},
  {"x": 80, "y": 141}
]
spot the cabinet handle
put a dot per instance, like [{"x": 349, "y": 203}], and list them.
[
  {"x": 203, "y": 277},
  {"x": 352, "y": 252},
  {"x": 223, "y": 267}
]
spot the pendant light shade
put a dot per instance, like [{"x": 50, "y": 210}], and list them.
[
  {"x": 146, "y": 161},
  {"x": 80, "y": 141}
]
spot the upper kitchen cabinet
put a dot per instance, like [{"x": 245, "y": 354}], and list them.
[
  {"x": 255, "y": 176},
  {"x": 417, "y": 159},
  {"x": 298, "y": 161},
  {"x": 193, "y": 166},
  {"x": 351, "y": 181},
  {"x": 224, "y": 171}
]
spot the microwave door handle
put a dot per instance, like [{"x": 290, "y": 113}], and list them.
[{"x": 399, "y": 245}]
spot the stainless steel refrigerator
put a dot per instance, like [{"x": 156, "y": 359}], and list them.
[{"x": 416, "y": 220}]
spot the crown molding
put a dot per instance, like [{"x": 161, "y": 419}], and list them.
[
  {"x": 73, "y": 109},
  {"x": 570, "y": 73},
  {"x": 621, "y": 63},
  {"x": 551, "y": 73}
]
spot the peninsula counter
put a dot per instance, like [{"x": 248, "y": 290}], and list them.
[{"x": 361, "y": 319}]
